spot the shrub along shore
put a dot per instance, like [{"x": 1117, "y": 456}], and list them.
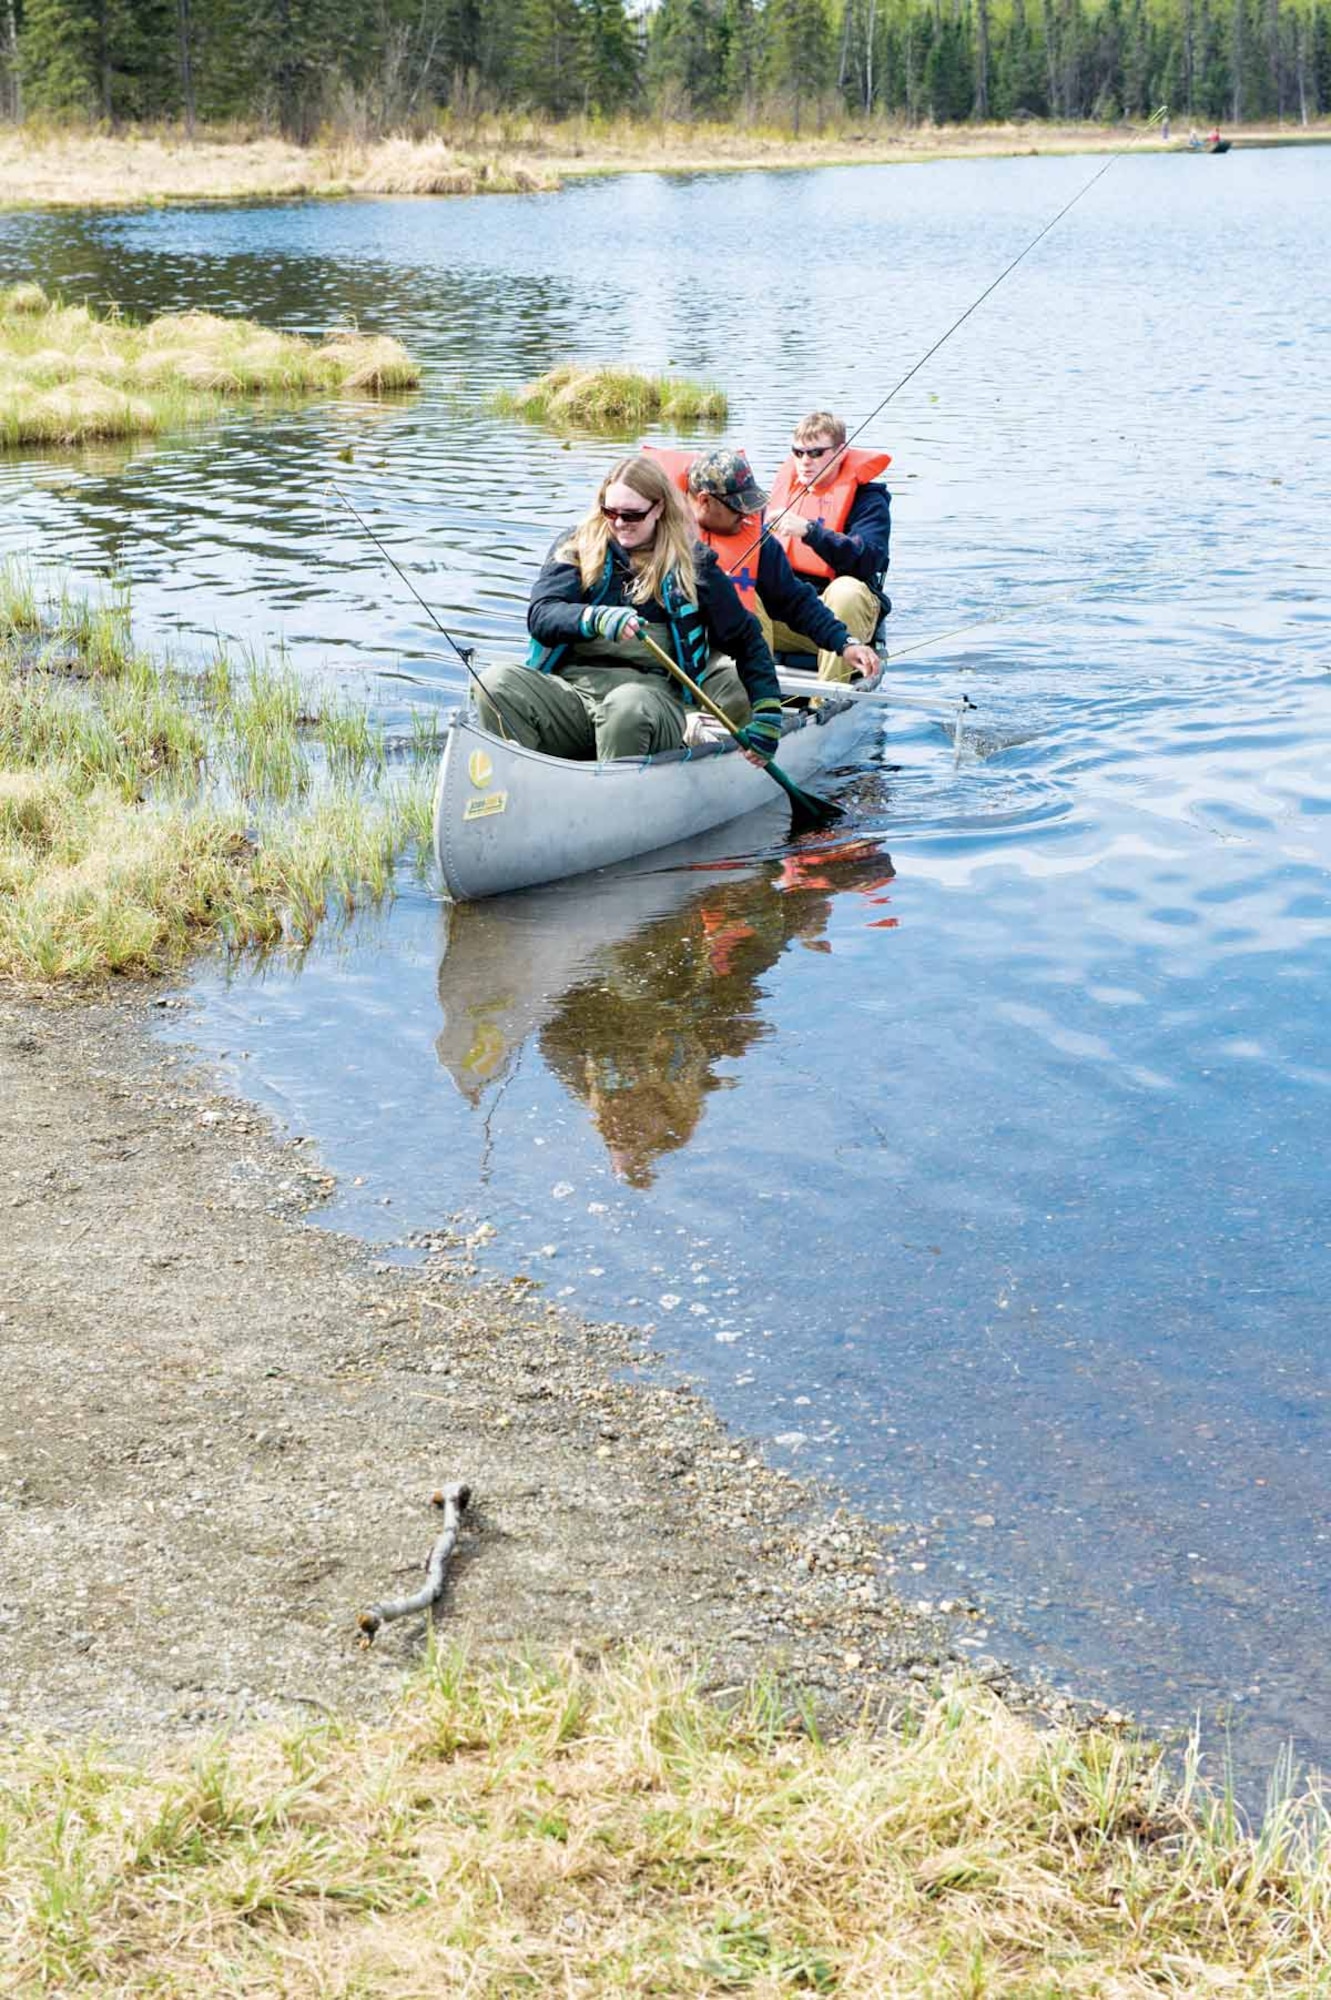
[
  {"x": 146, "y": 811},
  {"x": 611, "y": 398},
  {"x": 511, "y": 153}
]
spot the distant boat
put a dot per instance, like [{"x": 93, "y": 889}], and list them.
[{"x": 1218, "y": 146}]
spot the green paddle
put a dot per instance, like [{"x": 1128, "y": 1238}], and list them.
[{"x": 807, "y": 813}]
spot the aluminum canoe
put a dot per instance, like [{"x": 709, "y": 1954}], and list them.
[{"x": 509, "y": 818}]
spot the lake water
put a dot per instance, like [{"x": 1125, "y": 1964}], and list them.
[{"x": 980, "y": 1165}]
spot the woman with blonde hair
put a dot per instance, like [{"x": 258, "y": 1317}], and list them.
[{"x": 590, "y": 687}]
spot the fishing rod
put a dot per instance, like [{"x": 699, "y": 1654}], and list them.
[
  {"x": 808, "y": 485},
  {"x": 465, "y": 653}
]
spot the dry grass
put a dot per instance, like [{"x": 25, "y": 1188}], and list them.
[
  {"x": 92, "y": 169},
  {"x": 67, "y": 374},
  {"x": 613, "y": 399},
  {"x": 555, "y": 1828},
  {"x": 145, "y": 812},
  {"x": 503, "y": 153}
]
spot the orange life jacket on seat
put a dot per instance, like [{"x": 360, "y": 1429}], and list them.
[
  {"x": 739, "y": 547},
  {"x": 829, "y": 505}
]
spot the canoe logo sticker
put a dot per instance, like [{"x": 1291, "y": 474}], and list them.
[
  {"x": 479, "y": 769},
  {"x": 482, "y": 808}
]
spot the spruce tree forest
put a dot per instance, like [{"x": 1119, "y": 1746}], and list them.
[{"x": 369, "y": 67}]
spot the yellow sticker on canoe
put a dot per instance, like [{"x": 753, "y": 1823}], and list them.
[
  {"x": 493, "y": 802},
  {"x": 479, "y": 769}
]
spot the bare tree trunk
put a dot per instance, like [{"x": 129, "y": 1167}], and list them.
[
  {"x": 1236, "y": 57},
  {"x": 981, "y": 58},
  {"x": 1276, "y": 55},
  {"x": 186, "y": 65},
  {"x": 868, "y": 58},
  {"x": 15, "y": 73},
  {"x": 842, "y": 60},
  {"x": 104, "y": 62}
]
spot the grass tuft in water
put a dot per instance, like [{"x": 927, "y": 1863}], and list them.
[
  {"x": 145, "y": 811},
  {"x": 67, "y": 374},
  {"x": 550, "y": 1825},
  {"x": 611, "y": 399}
]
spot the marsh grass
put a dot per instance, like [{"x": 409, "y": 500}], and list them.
[
  {"x": 616, "y": 399},
  {"x": 78, "y": 167},
  {"x": 561, "y": 1827},
  {"x": 145, "y": 811},
  {"x": 67, "y": 374}
]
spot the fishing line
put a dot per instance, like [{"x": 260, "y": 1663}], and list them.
[
  {"x": 960, "y": 321},
  {"x": 1004, "y": 617},
  {"x": 465, "y": 653}
]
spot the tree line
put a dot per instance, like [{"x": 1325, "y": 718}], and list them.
[{"x": 374, "y": 66}]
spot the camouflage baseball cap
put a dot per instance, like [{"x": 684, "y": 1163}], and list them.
[{"x": 728, "y": 476}]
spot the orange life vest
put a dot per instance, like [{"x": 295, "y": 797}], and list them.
[
  {"x": 829, "y": 504},
  {"x": 739, "y": 547}
]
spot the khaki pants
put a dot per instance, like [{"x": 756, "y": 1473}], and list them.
[
  {"x": 846, "y": 598},
  {"x": 600, "y": 712}
]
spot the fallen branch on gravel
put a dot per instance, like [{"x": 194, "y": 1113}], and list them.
[{"x": 453, "y": 1499}]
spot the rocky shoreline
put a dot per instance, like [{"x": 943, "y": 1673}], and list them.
[{"x": 224, "y": 1426}]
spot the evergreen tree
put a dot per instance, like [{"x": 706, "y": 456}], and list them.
[
  {"x": 550, "y": 68},
  {"x": 741, "y": 57},
  {"x": 686, "y": 57},
  {"x": 611, "y": 58},
  {"x": 799, "y": 55},
  {"x": 58, "y": 57},
  {"x": 1320, "y": 62}
]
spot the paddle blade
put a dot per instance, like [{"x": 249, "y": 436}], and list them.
[{"x": 808, "y": 813}]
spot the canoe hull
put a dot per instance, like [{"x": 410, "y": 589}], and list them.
[{"x": 509, "y": 818}]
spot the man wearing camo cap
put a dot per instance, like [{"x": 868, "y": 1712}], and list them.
[{"x": 727, "y": 505}]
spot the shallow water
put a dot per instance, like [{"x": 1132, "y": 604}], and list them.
[{"x": 979, "y": 1163}]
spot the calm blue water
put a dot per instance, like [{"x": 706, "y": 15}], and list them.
[{"x": 981, "y": 1164}]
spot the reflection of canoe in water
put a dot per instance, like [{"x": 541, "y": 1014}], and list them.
[
  {"x": 509, "y": 818},
  {"x": 506, "y": 968}
]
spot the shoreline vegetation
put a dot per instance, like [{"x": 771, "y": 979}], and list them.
[
  {"x": 146, "y": 811},
  {"x": 602, "y": 1826},
  {"x": 611, "y": 398},
  {"x": 516, "y": 155},
  {"x": 604, "y": 1820},
  {"x": 68, "y": 374}
]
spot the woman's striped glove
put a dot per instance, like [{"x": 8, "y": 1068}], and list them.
[
  {"x": 763, "y": 733},
  {"x": 606, "y": 621}
]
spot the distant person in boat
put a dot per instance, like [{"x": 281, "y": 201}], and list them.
[
  {"x": 727, "y": 504},
  {"x": 1194, "y": 141},
  {"x": 834, "y": 522},
  {"x": 590, "y": 688},
  {"x": 1213, "y": 137}
]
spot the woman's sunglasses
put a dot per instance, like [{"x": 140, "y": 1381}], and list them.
[{"x": 634, "y": 514}]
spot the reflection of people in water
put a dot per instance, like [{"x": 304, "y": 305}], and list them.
[{"x": 640, "y": 1040}]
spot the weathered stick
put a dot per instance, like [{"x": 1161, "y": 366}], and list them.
[{"x": 453, "y": 1499}]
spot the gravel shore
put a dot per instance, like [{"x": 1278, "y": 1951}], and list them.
[{"x": 223, "y": 1425}]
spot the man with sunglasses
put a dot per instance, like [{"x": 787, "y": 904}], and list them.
[
  {"x": 727, "y": 505},
  {"x": 835, "y": 524}
]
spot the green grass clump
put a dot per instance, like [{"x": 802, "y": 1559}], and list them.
[
  {"x": 145, "y": 811},
  {"x": 611, "y": 399},
  {"x": 555, "y": 1827},
  {"x": 67, "y": 374}
]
